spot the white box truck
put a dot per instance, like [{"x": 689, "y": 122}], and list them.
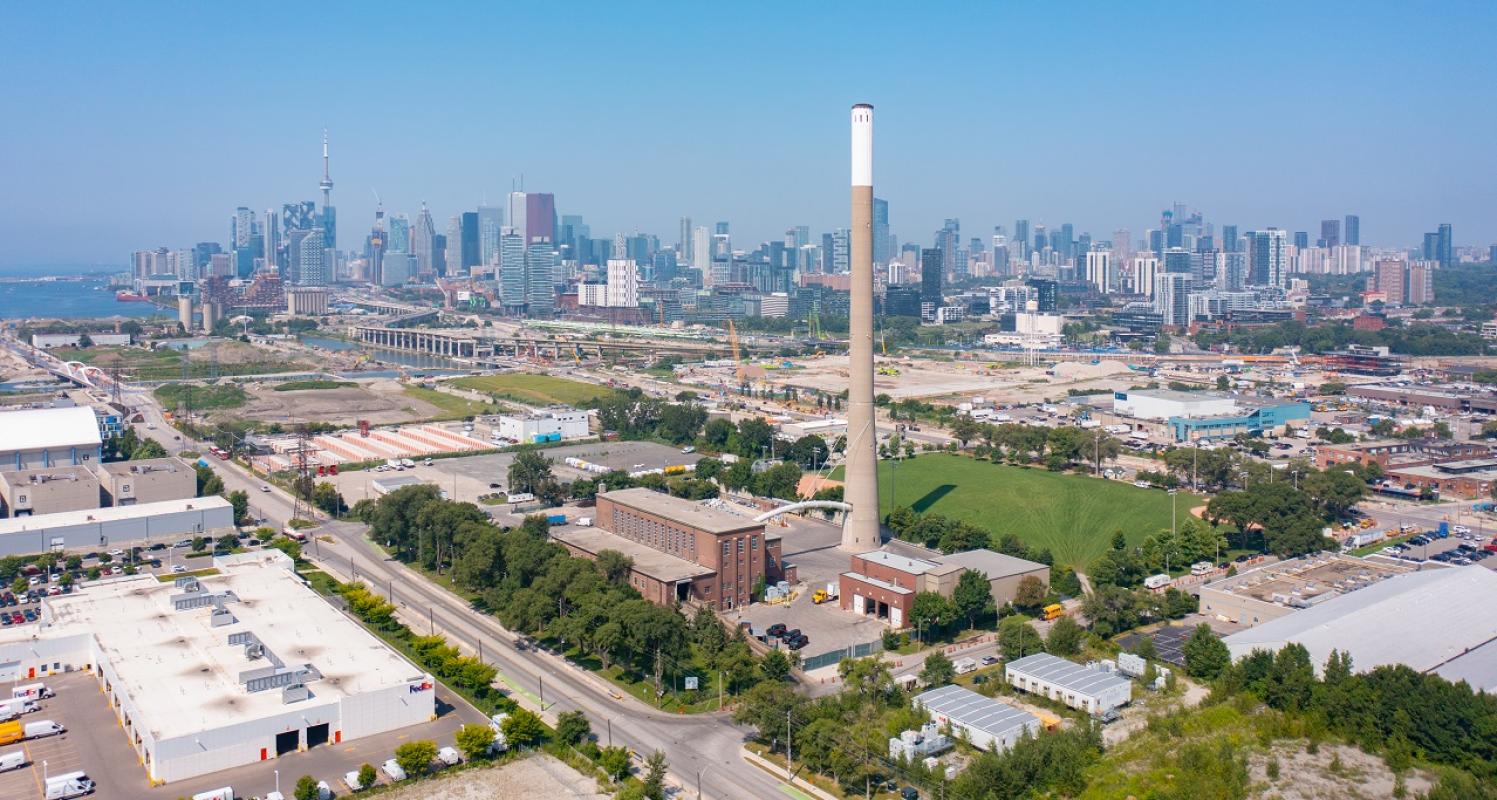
[
  {"x": 223, "y": 793},
  {"x": 31, "y": 691},
  {"x": 16, "y": 706}
]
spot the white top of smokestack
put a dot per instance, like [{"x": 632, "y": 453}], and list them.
[{"x": 862, "y": 145}]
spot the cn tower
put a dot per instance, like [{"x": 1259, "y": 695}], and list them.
[{"x": 860, "y": 531}]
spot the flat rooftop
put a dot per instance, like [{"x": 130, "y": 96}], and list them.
[
  {"x": 63, "y": 519},
  {"x": 39, "y": 428},
  {"x": 964, "y": 706},
  {"x": 913, "y": 566},
  {"x": 1067, "y": 674},
  {"x": 649, "y": 561},
  {"x": 182, "y": 674},
  {"x": 1308, "y": 577},
  {"x": 994, "y": 565},
  {"x": 681, "y": 510},
  {"x": 878, "y": 583},
  {"x": 144, "y": 466}
]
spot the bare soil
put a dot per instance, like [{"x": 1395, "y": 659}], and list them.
[
  {"x": 1314, "y": 776},
  {"x": 382, "y": 402},
  {"x": 537, "y": 776}
]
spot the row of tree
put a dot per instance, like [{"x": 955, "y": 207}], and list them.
[
  {"x": 1057, "y": 448},
  {"x": 951, "y": 535}
]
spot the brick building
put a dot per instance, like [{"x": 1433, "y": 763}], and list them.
[
  {"x": 683, "y": 551},
  {"x": 883, "y": 583}
]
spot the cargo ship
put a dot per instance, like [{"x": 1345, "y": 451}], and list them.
[{"x": 130, "y": 297}]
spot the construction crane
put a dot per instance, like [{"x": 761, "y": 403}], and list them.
[{"x": 738, "y": 372}]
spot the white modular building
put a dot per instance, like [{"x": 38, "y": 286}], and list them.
[
  {"x": 1085, "y": 688},
  {"x": 984, "y": 722},
  {"x": 554, "y": 424},
  {"x": 210, "y": 673}
]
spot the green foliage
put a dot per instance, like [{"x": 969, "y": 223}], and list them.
[
  {"x": 416, "y": 756},
  {"x": 201, "y": 398},
  {"x": 326, "y": 497},
  {"x": 615, "y": 762},
  {"x": 474, "y": 740},
  {"x": 938, "y": 670},
  {"x": 367, "y": 775},
  {"x": 1018, "y": 638},
  {"x": 1421, "y": 339},
  {"x": 572, "y": 727},
  {"x": 306, "y": 788},
  {"x": 530, "y": 471},
  {"x": 522, "y": 728},
  {"x": 775, "y": 666},
  {"x": 1205, "y": 654},
  {"x": 1065, "y": 637},
  {"x": 973, "y": 597},
  {"x": 312, "y": 385},
  {"x": 1054, "y": 762},
  {"x": 654, "y": 780}
]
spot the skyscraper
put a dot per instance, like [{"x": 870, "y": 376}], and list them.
[
  {"x": 1301, "y": 239},
  {"x": 454, "y": 258},
  {"x": 1267, "y": 258},
  {"x": 470, "y": 250},
  {"x": 423, "y": 244},
  {"x": 540, "y": 279},
  {"x": 881, "y": 252},
  {"x": 1099, "y": 270},
  {"x": 1446, "y": 254},
  {"x": 490, "y": 225},
  {"x": 512, "y": 271},
  {"x": 308, "y": 258},
  {"x": 1021, "y": 235},
  {"x": 1353, "y": 229},
  {"x": 932, "y": 269},
  {"x": 701, "y": 251},
  {"x": 1229, "y": 239},
  {"x": 683, "y": 248},
  {"x": 540, "y": 217},
  {"x": 517, "y": 214},
  {"x": 1330, "y": 232},
  {"x": 1172, "y": 298}
]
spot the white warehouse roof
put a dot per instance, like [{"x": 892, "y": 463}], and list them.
[
  {"x": 966, "y": 707},
  {"x": 108, "y": 514},
  {"x": 181, "y": 671},
  {"x": 1434, "y": 620},
  {"x": 41, "y": 428},
  {"x": 1068, "y": 675}
]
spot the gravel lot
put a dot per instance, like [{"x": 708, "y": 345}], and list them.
[{"x": 537, "y": 776}]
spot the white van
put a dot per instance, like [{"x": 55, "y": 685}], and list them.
[
  {"x": 12, "y": 760},
  {"x": 449, "y": 756},
  {"x": 226, "y": 793},
  {"x": 393, "y": 769},
  {"x": 351, "y": 779},
  {"x": 37, "y": 730},
  {"x": 31, "y": 691},
  {"x": 68, "y": 785}
]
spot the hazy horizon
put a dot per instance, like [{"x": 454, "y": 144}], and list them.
[{"x": 137, "y": 127}]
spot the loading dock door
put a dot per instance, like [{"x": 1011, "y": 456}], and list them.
[
  {"x": 317, "y": 734},
  {"x": 10, "y": 671},
  {"x": 287, "y": 742}
]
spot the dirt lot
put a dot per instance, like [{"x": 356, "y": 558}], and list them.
[
  {"x": 381, "y": 402},
  {"x": 929, "y": 379},
  {"x": 1303, "y": 776},
  {"x": 538, "y": 776}
]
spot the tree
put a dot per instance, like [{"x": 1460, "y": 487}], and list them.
[
  {"x": 148, "y": 448},
  {"x": 474, "y": 740},
  {"x": 326, "y": 497},
  {"x": 228, "y": 541},
  {"x": 615, "y": 566},
  {"x": 367, "y": 775},
  {"x": 1065, "y": 637},
  {"x": 654, "y": 782},
  {"x": 239, "y": 499},
  {"x": 1030, "y": 593},
  {"x": 775, "y": 666},
  {"x": 523, "y": 728},
  {"x": 415, "y": 756},
  {"x": 306, "y": 788},
  {"x": 1017, "y": 638},
  {"x": 930, "y": 611},
  {"x": 615, "y": 762},
  {"x": 572, "y": 727},
  {"x": 938, "y": 670},
  {"x": 1205, "y": 654},
  {"x": 973, "y": 596},
  {"x": 529, "y": 471}
]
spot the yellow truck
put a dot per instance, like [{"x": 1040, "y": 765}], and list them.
[{"x": 11, "y": 732}]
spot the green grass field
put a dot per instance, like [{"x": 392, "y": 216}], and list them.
[
  {"x": 452, "y": 407},
  {"x": 201, "y": 398},
  {"x": 534, "y": 389},
  {"x": 1073, "y": 515},
  {"x": 304, "y": 386}
]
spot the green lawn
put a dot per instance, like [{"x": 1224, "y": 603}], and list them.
[
  {"x": 1073, "y": 515},
  {"x": 534, "y": 389},
  {"x": 302, "y": 386},
  {"x": 452, "y": 407},
  {"x": 201, "y": 398}
]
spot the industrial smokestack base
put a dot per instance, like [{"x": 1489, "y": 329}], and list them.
[{"x": 860, "y": 530}]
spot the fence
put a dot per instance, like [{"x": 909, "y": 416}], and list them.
[{"x": 834, "y": 656}]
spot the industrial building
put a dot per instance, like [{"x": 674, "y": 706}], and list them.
[
  {"x": 682, "y": 550},
  {"x": 35, "y": 438},
  {"x": 151, "y": 480},
  {"x": 48, "y": 341},
  {"x": 985, "y": 723},
  {"x": 1198, "y": 416},
  {"x": 1278, "y": 589},
  {"x": 97, "y": 528},
  {"x": 1436, "y": 621},
  {"x": 883, "y": 583},
  {"x": 1086, "y": 688},
  {"x": 553, "y": 424},
  {"x": 210, "y": 673},
  {"x": 48, "y": 490}
]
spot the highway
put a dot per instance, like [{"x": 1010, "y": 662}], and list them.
[{"x": 703, "y": 750}]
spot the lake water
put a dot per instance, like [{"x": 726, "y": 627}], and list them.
[
  {"x": 81, "y": 298},
  {"x": 429, "y": 364}
]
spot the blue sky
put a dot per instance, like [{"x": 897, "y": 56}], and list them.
[{"x": 131, "y": 126}]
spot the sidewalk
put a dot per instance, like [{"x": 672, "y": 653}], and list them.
[{"x": 796, "y": 787}]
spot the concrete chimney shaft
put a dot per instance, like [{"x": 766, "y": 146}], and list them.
[{"x": 860, "y": 531}]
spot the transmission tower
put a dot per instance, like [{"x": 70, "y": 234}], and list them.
[{"x": 302, "y": 488}]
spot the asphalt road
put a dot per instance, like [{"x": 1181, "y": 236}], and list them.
[{"x": 705, "y": 748}]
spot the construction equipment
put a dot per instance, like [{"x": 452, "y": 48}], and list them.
[{"x": 738, "y": 372}]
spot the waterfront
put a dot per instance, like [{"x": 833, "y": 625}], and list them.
[
  {"x": 69, "y": 298},
  {"x": 429, "y": 364}
]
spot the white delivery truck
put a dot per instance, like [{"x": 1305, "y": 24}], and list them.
[
  {"x": 31, "y": 691},
  {"x": 17, "y": 706},
  {"x": 42, "y": 728},
  {"x": 225, "y": 793},
  {"x": 12, "y": 760},
  {"x": 68, "y": 785}
]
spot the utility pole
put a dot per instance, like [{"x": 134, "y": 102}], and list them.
[{"x": 789, "y": 753}]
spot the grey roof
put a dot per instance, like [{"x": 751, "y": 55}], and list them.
[
  {"x": 1424, "y": 619},
  {"x": 966, "y": 707},
  {"x": 681, "y": 510},
  {"x": 1068, "y": 675},
  {"x": 647, "y": 560},
  {"x": 1477, "y": 668},
  {"x": 994, "y": 565}
]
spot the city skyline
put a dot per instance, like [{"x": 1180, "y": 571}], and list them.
[{"x": 1091, "y": 138}]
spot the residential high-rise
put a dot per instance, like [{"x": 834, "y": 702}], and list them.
[
  {"x": 1419, "y": 288},
  {"x": 490, "y": 226},
  {"x": 932, "y": 270},
  {"x": 1330, "y": 232},
  {"x": 1446, "y": 254},
  {"x": 1388, "y": 277},
  {"x": 272, "y": 239},
  {"x": 512, "y": 271},
  {"x": 1177, "y": 259},
  {"x": 1099, "y": 268},
  {"x": 1229, "y": 239},
  {"x": 1021, "y": 235},
  {"x": 242, "y": 227},
  {"x": 1430, "y": 251},
  {"x": 308, "y": 258},
  {"x": 1145, "y": 269},
  {"x": 860, "y": 531},
  {"x": 423, "y": 245},
  {"x": 683, "y": 248},
  {"x": 1353, "y": 229},
  {"x": 1267, "y": 258},
  {"x": 701, "y": 251},
  {"x": 1301, "y": 239},
  {"x": 840, "y": 252},
  {"x": 881, "y": 252},
  {"x": 540, "y": 279},
  {"x": 623, "y": 283},
  {"x": 1172, "y": 298}
]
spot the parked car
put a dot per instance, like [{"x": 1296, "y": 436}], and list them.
[
  {"x": 776, "y": 630},
  {"x": 392, "y": 768}
]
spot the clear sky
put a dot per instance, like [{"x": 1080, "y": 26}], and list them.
[{"x": 136, "y": 125}]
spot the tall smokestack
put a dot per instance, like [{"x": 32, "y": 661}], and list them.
[{"x": 860, "y": 532}]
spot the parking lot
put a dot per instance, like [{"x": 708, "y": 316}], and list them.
[
  {"x": 95, "y": 743},
  {"x": 1169, "y": 642}
]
